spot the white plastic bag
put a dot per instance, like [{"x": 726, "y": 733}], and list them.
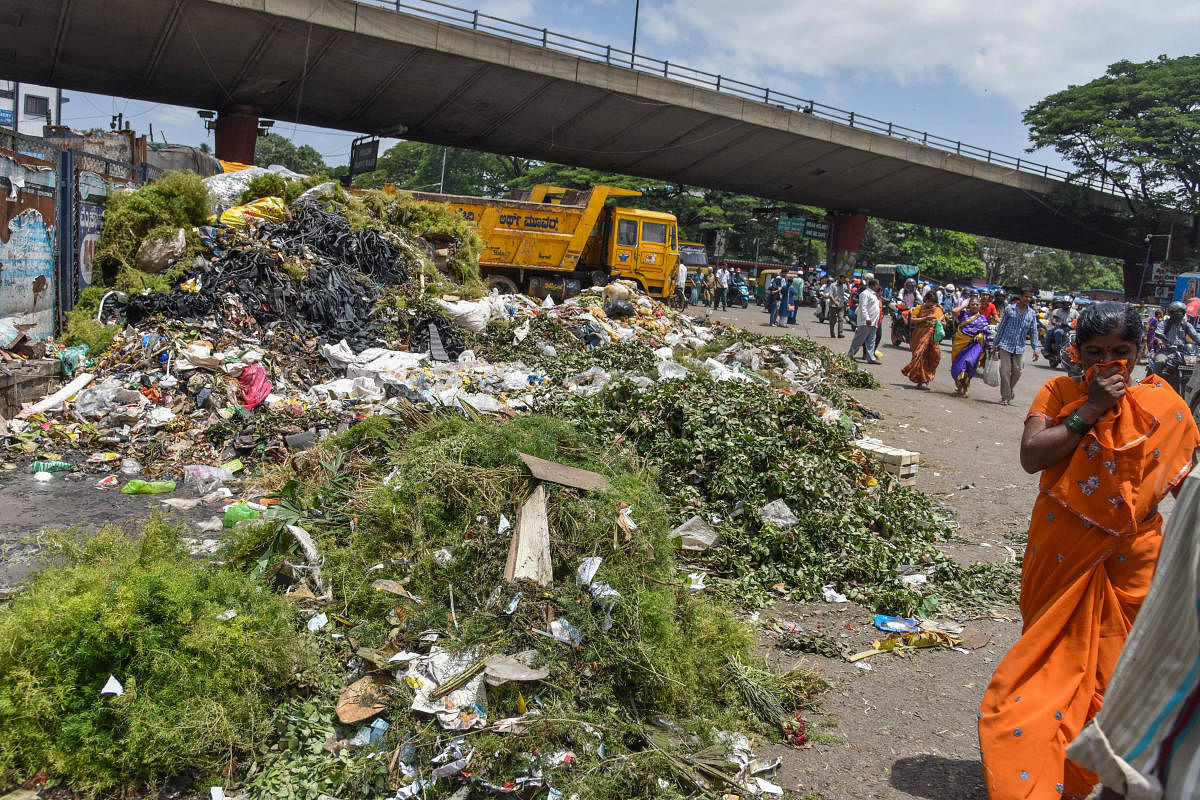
[{"x": 991, "y": 371}]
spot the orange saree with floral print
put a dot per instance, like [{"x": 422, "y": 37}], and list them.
[{"x": 1093, "y": 543}]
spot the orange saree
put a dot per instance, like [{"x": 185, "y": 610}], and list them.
[
  {"x": 1093, "y": 543},
  {"x": 926, "y": 353}
]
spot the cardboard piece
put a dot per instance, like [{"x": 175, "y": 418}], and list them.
[
  {"x": 561, "y": 474},
  {"x": 529, "y": 550},
  {"x": 361, "y": 700}
]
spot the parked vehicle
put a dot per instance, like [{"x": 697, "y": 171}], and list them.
[{"x": 553, "y": 241}]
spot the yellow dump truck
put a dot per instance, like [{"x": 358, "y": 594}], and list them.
[{"x": 556, "y": 241}]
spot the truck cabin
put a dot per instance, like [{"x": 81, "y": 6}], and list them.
[{"x": 644, "y": 248}]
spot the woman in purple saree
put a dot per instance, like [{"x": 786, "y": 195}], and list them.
[{"x": 970, "y": 343}]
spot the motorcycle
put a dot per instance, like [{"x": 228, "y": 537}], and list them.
[
  {"x": 740, "y": 295},
  {"x": 901, "y": 330},
  {"x": 1068, "y": 358},
  {"x": 1175, "y": 364},
  {"x": 1054, "y": 345}
]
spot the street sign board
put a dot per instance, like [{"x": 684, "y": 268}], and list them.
[
  {"x": 364, "y": 155},
  {"x": 6, "y": 116},
  {"x": 817, "y": 229},
  {"x": 793, "y": 226}
]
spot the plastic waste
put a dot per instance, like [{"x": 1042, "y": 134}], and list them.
[
  {"x": 130, "y": 466},
  {"x": 204, "y": 478},
  {"x": 833, "y": 596},
  {"x": 72, "y": 358},
  {"x": 49, "y": 466},
  {"x": 271, "y": 209},
  {"x": 255, "y": 386},
  {"x": 98, "y": 400},
  {"x": 138, "y": 486},
  {"x": 777, "y": 513},
  {"x": 618, "y": 309},
  {"x": 238, "y": 512},
  {"x": 156, "y": 254}
]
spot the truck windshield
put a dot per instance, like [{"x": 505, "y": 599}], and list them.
[
  {"x": 627, "y": 232},
  {"x": 654, "y": 232}
]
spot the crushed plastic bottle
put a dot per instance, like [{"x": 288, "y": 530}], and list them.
[
  {"x": 130, "y": 466},
  {"x": 238, "y": 512},
  {"x": 49, "y": 466},
  {"x": 138, "y": 486}
]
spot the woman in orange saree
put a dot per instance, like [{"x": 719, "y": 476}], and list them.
[
  {"x": 1109, "y": 450},
  {"x": 926, "y": 353}
]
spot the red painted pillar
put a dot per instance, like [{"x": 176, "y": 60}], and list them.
[
  {"x": 236, "y": 133},
  {"x": 845, "y": 240}
]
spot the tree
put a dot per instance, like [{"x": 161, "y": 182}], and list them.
[
  {"x": 418, "y": 166},
  {"x": 1137, "y": 126},
  {"x": 276, "y": 149},
  {"x": 941, "y": 254}
]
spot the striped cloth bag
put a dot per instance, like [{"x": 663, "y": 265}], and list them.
[{"x": 1145, "y": 742}]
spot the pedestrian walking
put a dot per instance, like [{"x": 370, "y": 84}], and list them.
[
  {"x": 694, "y": 281},
  {"x": 1156, "y": 319},
  {"x": 970, "y": 344},
  {"x": 926, "y": 353},
  {"x": 1109, "y": 450},
  {"x": 722, "y": 289},
  {"x": 775, "y": 299},
  {"x": 708, "y": 288},
  {"x": 869, "y": 311},
  {"x": 838, "y": 297},
  {"x": 797, "y": 297},
  {"x": 1017, "y": 323}
]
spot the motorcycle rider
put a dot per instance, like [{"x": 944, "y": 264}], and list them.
[
  {"x": 910, "y": 296},
  {"x": 1061, "y": 318},
  {"x": 1175, "y": 332}
]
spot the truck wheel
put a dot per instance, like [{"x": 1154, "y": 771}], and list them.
[
  {"x": 598, "y": 277},
  {"x": 503, "y": 284}
]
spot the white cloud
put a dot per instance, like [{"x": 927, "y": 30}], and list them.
[{"x": 1020, "y": 50}]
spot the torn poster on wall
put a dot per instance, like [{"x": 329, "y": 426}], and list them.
[{"x": 27, "y": 275}]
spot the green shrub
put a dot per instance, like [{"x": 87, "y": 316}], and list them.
[
  {"x": 176, "y": 200},
  {"x": 199, "y": 690}
]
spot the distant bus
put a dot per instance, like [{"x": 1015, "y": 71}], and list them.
[{"x": 693, "y": 255}]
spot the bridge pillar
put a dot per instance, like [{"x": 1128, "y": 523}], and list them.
[
  {"x": 236, "y": 133},
  {"x": 845, "y": 240}
]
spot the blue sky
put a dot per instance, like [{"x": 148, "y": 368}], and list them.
[{"x": 963, "y": 69}]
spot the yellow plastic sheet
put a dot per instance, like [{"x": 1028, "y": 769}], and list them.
[{"x": 271, "y": 209}]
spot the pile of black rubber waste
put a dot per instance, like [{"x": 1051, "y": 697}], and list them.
[{"x": 342, "y": 271}]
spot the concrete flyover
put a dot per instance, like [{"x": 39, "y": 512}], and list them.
[{"x": 353, "y": 66}]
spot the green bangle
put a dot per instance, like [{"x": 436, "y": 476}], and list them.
[{"x": 1076, "y": 424}]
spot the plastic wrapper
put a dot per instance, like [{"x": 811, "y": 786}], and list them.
[
  {"x": 255, "y": 386},
  {"x": 203, "y": 478},
  {"x": 270, "y": 209}
]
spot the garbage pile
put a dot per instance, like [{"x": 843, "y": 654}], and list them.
[
  {"x": 474, "y": 508},
  {"x": 509, "y": 615}
]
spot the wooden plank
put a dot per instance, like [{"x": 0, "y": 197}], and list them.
[
  {"x": 561, "y": 474},
  {"x": 529, "y": 551}
]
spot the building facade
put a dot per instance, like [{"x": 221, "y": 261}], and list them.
[{"x": 26, "y": 107}]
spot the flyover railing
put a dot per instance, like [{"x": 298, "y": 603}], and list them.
[{"x": 616, "y": 56}]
